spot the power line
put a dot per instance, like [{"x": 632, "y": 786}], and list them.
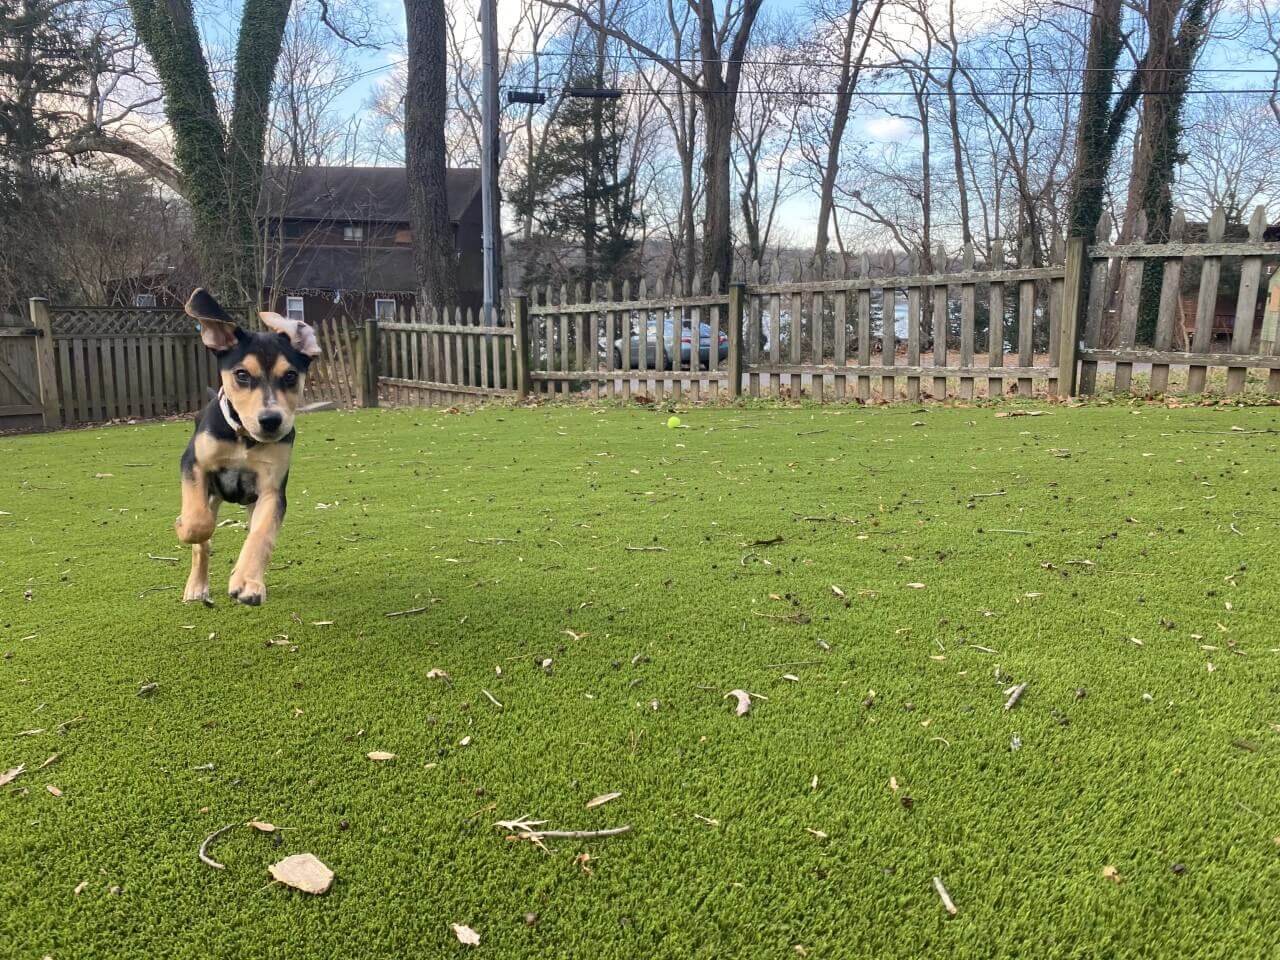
[
  {"x": 922, "y": 68},
  {"x": 810, "y": 92}
]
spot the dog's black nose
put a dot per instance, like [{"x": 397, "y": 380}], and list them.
[{"x": 270, "y": 422}]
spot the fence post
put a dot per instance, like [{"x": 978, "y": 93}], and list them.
[
  {"x": 520, "y": 325},
  {"x": 371, "y": 363},
  {"x": 46, "y": 367},
  {"x": 737, "y": 298},
  {"x": 1073, "y": 307}
]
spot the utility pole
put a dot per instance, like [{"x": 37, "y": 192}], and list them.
[{"x": 492, "y": 239}]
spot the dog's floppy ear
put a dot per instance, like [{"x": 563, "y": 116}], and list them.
[
  {"x": 217, "y": 328},
  {"x": 300, "y": 334}
]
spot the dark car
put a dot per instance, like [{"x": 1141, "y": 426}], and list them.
[{"x": 650, "y": 337}]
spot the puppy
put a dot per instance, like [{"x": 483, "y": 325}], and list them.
[{"x": 243, "y": 441}]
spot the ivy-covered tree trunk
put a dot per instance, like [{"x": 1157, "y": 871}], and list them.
[
  {"x": 1170, "y": 60},
  {"x": 219, "y": 164},
  {"x": 424, "y": 153},
  {"x": 1100, "y": 123}
]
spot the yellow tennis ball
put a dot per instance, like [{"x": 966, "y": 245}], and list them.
[{"x": 673, "y": 422}]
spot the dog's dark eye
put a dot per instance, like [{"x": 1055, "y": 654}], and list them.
[
  {"x": 290, "y": 379},
  {"x": 243, "y": 378}
]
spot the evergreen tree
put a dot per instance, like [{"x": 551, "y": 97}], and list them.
[
  {"x": 581, "y": 192},
  {"x": 41, "y": 57}
]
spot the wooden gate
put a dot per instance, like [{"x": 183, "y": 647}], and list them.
[
  {"x": 453, "y": 358},
  {"x": 20, "y": 400}
]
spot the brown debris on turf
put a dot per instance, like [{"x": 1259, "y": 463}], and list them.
[
  {"x": 304, "y": 872},
  {"x": 744, "y": 702}
]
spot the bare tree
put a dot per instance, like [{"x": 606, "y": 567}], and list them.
[
  {"x": 1231, "y": 156},
  {"x": 845, "y": 28}
]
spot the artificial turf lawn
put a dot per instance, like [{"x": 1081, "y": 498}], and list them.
[{"x": 1137, "y": 757}]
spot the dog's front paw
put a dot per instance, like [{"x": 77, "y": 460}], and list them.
[{"x": 248, "y": 591}]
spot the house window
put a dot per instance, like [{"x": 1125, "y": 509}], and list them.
[
  {"x": 144, "y": 299},
  {"x": 293, "y": 308},
  {"x": 384, "y": 310},
  {"x": 404, "y": 236},
  {"x": 353, "y": 233}
]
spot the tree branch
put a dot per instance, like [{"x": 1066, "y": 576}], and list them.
[
  {"x": 670, "y": 66},
  {"x": 95, "y": 140}
]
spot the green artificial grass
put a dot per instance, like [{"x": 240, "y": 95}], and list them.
[{"x": 1043, "y": 545}]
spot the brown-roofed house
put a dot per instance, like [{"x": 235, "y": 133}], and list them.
[{"x": 341, "y": 243}]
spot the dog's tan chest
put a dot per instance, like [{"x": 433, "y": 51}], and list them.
[{"x": 267, "y": 462}]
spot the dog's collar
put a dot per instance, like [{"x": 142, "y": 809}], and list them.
[{"x": 229, "y": 413}]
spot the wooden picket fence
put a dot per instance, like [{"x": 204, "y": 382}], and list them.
[
  {"x": 622, "y": 346},
  {"x": 77, "y": 364},
  {"x": 440, "y": 359},
  {"x": 1210, "y": 339},
  {"x": 964, "y": 330},
  {"x": 826, "y": 338}
]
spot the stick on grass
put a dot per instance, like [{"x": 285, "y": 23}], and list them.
[
  {"x": 947, "y": 902},
  {"x": 203, "y": 853}
]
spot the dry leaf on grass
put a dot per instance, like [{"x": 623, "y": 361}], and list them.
[
  {"x": 1112, "y": 874},
  {"x": 916, "y": 586},
  {"x": 437, "y": 674},
  {"x": 837, "y": 591},
  {"x": 601, "y": 800},
  {"x": 380, "y": 755},
  {"x": 465, "y": 741},
  {"x": 817, "y": 833},
  {"x": 263, "y": 826},
  {"x": 791, "y": 677},
  {"x": 80, "y": 887},
  {"x": 466, "y": 936},
  {"x": 53, "y": 790},
  {"x": 744, "y": 702},
  {"x": 303, "y": 872},
  {"x": 12, "y": 774}
]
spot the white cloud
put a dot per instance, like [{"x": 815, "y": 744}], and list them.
[{"x": 888, "y": 129}]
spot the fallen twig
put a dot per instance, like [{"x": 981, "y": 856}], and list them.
[
  {"x": 157, "y": 589},
  {"x": 412, "y": 610},
  {"x": 1027, "y": 533},
  {"x": 492, "y": 698},
  {"x": 204, "y": 847},
  {"x": 979, "y": 496},
  {"x": 152, "y": 556},
  {"x": 648, "y": 549},
  {"x": 1015, "y": 694},
  {"x": 947, "y": 902},
  {"x": 528, "y": 830}
]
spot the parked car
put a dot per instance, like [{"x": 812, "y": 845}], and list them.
[{"x": 650, "y": 337}]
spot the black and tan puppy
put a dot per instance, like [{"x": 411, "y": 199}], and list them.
[{"x": 243, "y": 441}]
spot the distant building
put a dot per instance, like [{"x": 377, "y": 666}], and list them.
[{"x": 339, "y": 243}]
